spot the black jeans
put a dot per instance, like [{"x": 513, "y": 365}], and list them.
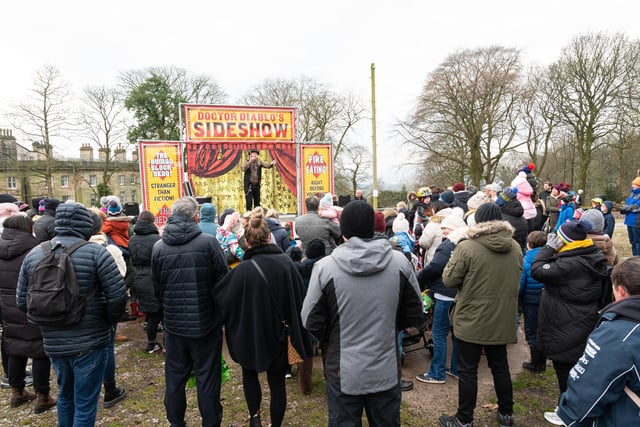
[
  {"x": 382, "y": 408},
  {"x": 276, "y": 380},
  {"x": 41, "y": 369},
  {"x": 202, "y": 355},
  {"x": 468, "y": 360},
  {"x": 562, "y": 373},
  {"x": 153, "y": 319},
  {"x": 252, "y": 194}
]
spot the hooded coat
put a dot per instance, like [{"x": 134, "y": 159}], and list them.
[
  {"x": 252, "y": 310},
  {"x": 145, "y": 235},
  {"x": 569, "y": 304},
  {"x": 359, "y": 278},
  {"x": 485, "y": 269},
  {"x": 208, "y": 222},
  {"x": 279, "y": 233},
  {"x": 94, "y": 267},
  {"x": 20, "y": 337},
  {"x": 185, "y": 266}
]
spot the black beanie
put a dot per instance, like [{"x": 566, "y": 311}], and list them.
[
  {"x": 357, "y": 220},
  {"x": 488, "y": 212},
  {"x": 97, "y": 223}
]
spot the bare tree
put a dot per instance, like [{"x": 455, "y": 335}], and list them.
[
  {"x": 355, "y": 166},
  {"x": 594, "y": 73},
  {"x": 101, "y": 120},
  {"x": 539, "y": 117},
  {"x": 44, "y": 115},
  {"x": 321, "y": 114},
  {"x": 467, "y": 113}
]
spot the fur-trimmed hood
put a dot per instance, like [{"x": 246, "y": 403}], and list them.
[{"x": 495, "y": 235}]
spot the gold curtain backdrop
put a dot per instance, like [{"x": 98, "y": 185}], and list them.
[{"x": 227, "y": 191}]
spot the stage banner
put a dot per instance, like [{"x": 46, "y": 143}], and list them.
[
  {"x": 161, "y": 177},
  {"x": 209, "y": 123},
  {"x": 316, "y": 170}
]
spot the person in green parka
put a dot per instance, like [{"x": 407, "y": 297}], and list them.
[{"x": 486, "y": 270}]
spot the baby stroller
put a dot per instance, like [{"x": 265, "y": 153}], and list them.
[{"x": 421, "y": 333}]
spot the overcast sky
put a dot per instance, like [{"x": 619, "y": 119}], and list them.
[{"x": 241, "y": 43}]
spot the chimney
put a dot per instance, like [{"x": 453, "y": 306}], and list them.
[
  {"x": 134, "y": 155},
  {"x": 102, "y": 154},
  {"x": 86, "y": 152},
  {"x": 120, "y": 154},
  {"x": 38, "y": 148}
]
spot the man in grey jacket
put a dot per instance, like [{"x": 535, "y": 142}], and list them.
[
  {"x": 358, "y": 298},
  {"x": 312, "y": 226}
]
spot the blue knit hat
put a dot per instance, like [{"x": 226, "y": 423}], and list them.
[
  {"x": 114, "y": 208},
  {"x": 574, "y": 230},
  {"x": 506, "y": 195}
]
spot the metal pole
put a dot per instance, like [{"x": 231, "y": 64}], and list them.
[{"x": 373, "y": 135}]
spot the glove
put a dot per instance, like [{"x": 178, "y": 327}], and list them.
[{"x": 553, "y": 241}]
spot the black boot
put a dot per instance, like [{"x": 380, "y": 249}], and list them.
[
  {"x": 254, "y": 420},
  {"x": 538, "y": 361},
  {"x": 113, "y": 394}
]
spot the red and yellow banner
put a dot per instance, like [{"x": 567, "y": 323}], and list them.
[
  {"x": 316, "y": 170},
  {"x": 161, "y": 177},
  {"x": 204, "y": 123}
]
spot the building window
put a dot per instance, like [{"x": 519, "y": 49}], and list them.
[
  {"x": 133, "y": 196},
  {"x": 65, "y": 198},
  {"x": 94, "y": 199},
  {"x": 93, "y": 180},
  {"x": 64, "y": 181},
  {"x": 123, "y": 196},
  {"x": 133, "y": 179},
  {"x": 12, "y": 183},
  {"x": 121, "y": 179}
]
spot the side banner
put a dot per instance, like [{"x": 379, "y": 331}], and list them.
[
  {"x": 316, "y": 170},
  {"x": 161, "y": 177}
]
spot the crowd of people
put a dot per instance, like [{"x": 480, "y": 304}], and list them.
[{"x": 486, "y": 258}]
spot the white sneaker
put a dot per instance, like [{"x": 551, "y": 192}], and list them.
[{"x": 553, "y": 418}]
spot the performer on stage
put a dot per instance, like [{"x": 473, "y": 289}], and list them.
[{"x": 252, "y": 176}]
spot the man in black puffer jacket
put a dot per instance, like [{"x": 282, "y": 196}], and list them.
[
  {"x": 512, "y": 212},
  {"x": 44, "y": 227},
  {"x": 185, "y": 266},
  {"x": 78, "y": 352}
]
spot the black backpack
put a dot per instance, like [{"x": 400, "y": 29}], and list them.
[{"x": 53, "y": 293}]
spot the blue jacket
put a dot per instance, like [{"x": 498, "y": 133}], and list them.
[
  {"x": 566, "y": 214},
  {"x": 405, "y": 241},
  {"x": 185, "y": 266},
  {"x": 530, "y": 288},
  {"x": 430, "y": 277},
  {"x": 611, "y": 360},
  {"x": 631, "y": 218},
  {"x": 208, "y": 222},
  {"x": 94, "y": 267}
]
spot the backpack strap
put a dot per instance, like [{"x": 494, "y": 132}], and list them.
[{"x": 69, "y": 251}]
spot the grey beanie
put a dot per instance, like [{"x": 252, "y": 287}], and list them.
[{"x": 595, "y": 217}]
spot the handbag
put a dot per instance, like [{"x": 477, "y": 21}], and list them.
[{"x": 292, "y": 354}]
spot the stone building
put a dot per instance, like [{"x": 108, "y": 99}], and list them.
[{"x": 77, "y": 178}]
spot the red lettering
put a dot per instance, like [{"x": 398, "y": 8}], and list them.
[
  {"x": 281, "y": 130},
  {"x": 242, "y": 116},
  {"x": 231, "y": 131},
  {"x": 198, "y": 131},
  {"x": 200, "y": 115},
  {"x": 254, "y": 130},
  {"x": 281, "y": 118},
  {"x": 243, "y": 129},
  {"x": 218, "y": 129}
]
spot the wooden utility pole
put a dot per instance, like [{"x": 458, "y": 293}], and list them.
[{"x": 373, "y": 135}]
